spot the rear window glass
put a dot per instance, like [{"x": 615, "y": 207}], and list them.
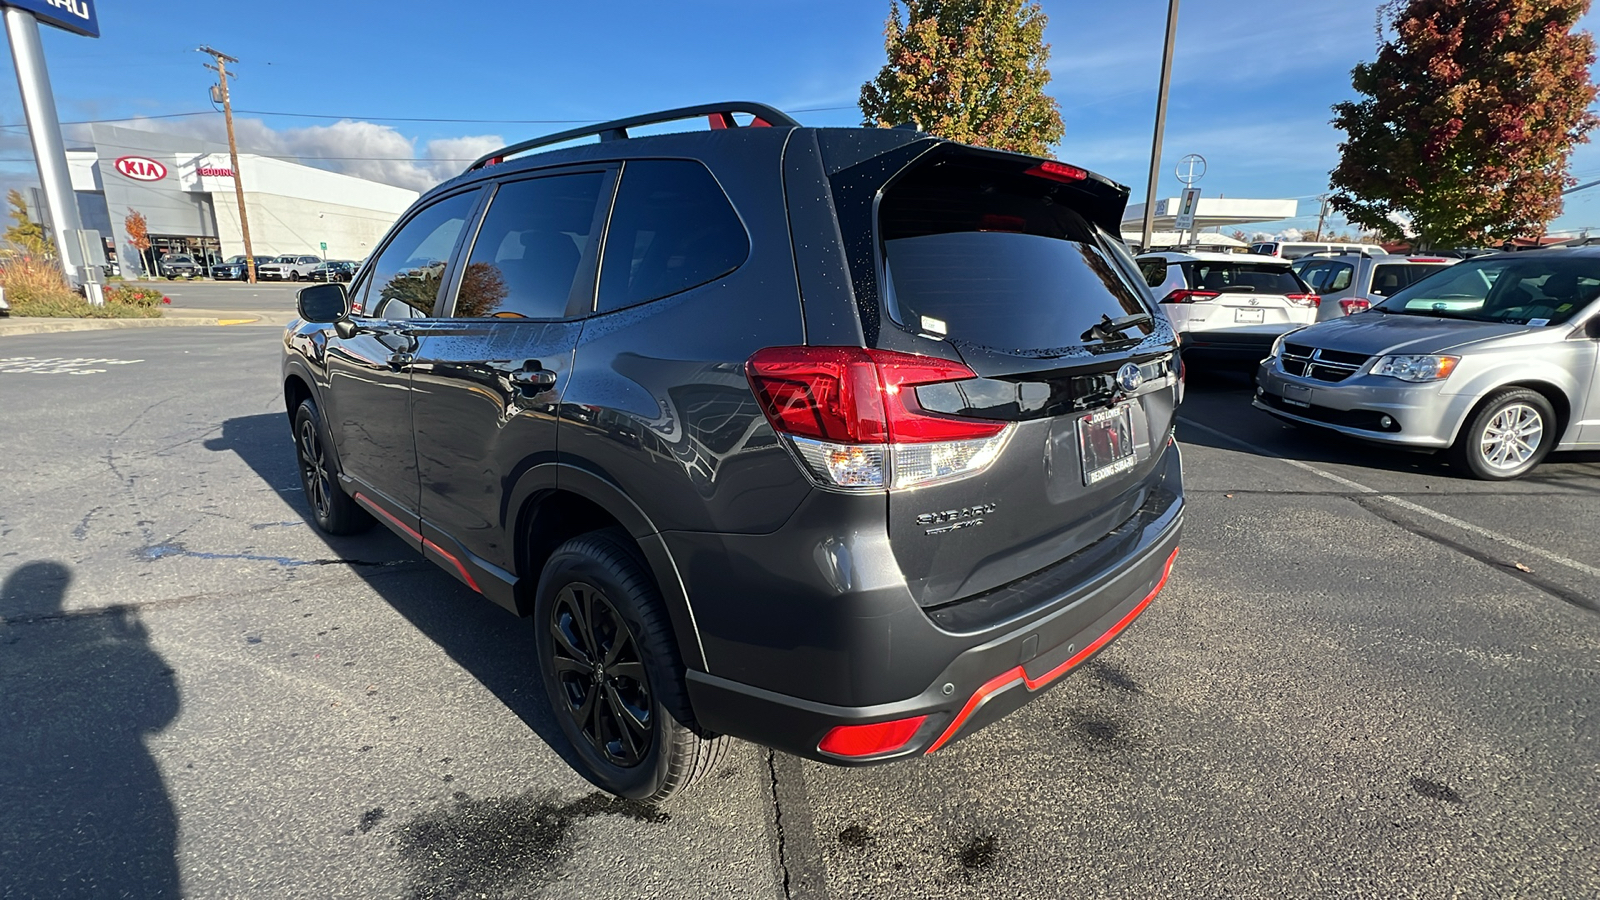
[
  {"x": 1242, "y": 278},
  {"x": 672, "y": 229},
  {"x": 1390, "y": 277},
  {"x": 992, "y": 261}
]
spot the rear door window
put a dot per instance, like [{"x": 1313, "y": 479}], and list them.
[
  {"x": 535, "y": 239},
  {"x": 1338, "y": 278},
  {"x": 672, "y": 229},
  {"x": 1390, "y": 277}
]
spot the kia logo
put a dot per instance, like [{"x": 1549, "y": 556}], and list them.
[{"x": 140, "y": 169}]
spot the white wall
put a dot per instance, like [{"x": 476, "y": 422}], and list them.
[{"x": 283, "y": 225}]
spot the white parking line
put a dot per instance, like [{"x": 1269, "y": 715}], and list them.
[{"x": 1402, "y": 503}]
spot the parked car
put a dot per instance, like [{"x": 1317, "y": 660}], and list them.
[
  {"x": 179, "y": 265},
  {"x": 854, "y": 528},
  {"x": 288, "y": 268},
  {"x": 1351, "y": 284},
  {"x": 1493, "y": 360},
  {"x": 234, "y": 268},
  {"x": 336, "y": 270},
  {"x": 1228, "y": 306},
  {"x": 1295, "y": 249}
]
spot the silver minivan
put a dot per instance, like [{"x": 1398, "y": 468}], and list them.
[{"x": 1494, "y": 359}]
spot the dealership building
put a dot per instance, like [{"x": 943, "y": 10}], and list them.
[{"x": 184, "y": 188}]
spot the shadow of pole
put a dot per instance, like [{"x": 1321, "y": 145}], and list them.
[
  {"x": 493, "y": 646},
  {"x": 83, "y": 809}
]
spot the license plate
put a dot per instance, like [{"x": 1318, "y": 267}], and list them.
[
  {"x": 1249, "y": 316},
  {"x": 1105, "y": 442},
  {"x": 1295, "y": 395}
]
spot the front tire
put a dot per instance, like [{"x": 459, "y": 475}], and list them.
[
  {"x": 334, "y": 511},
  {"x": 294, "y": 276},
  {"x": 1510, "y": 433},
  {"x": 611, "y": 669}
]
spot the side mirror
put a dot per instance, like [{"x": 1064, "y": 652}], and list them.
[{"x": 323, "y": 304}]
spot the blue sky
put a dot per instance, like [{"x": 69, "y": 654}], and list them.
[{"x": 1252, "y": 80}]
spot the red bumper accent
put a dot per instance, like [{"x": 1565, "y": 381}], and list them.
[{"x": 1019, "y": 674}]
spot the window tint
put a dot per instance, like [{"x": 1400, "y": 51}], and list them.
[
  {"x": 407, "y": 274},
  {"x": 1154, "y": 271},
  {"x": 1313, "y": 274},
  {"x": 1244, "y": 278},
  {"x": 1390, "y": 277},
  {"x": 672, "y": 229},
  {"x": 1338, "y": 278},
  {"x": 530, "y": 247}
]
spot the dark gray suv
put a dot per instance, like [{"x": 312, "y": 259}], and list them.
[{"x": 844, "y": 441}]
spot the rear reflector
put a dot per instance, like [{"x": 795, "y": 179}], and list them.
[
  {"x": 1185, "y": 296},
  {"x": 1058, "y": 172},
  {"x": 1354, "y": 305},
  {"x": 1311, "y": 300},
  {"x": 870, "y": 740}
]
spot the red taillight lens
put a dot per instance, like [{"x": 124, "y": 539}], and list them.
[
  {"x": 870, "y": 740},
  {"x": 1185, "y": 296},
  {"x": 1354, "y": 305},
  {"x": 852, "y": 395},
  {"x": 1058, "y": 172},
  {"x": 1311, "y": 300}
]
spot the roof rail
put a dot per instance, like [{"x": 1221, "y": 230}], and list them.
[{"x": 720, "y": 114}]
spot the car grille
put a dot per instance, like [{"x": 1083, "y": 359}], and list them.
[{"x": 1319, "y": 364}]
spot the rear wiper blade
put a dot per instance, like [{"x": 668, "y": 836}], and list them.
[{"x": 1109, "y": 329}]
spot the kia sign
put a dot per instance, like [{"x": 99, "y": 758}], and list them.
[
  {"x": 140, "y": 169},
  {"x": 76, "y": 16}
]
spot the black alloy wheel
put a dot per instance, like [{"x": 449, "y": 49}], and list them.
[
  {"x": 601, "y": 676},
  {"x": 334, "y": 511}
]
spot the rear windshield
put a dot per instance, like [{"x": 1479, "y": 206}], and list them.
[
  {"x": 993, "y": 261},
  {"x": 1390, "y": 277},
  {"x": 1242, "y": 278}
]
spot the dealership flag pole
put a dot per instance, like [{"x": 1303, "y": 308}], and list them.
[
  {"x": 1161, "y": 125},
  {"x": 49, "y": 151},
  {"x": 221, "y": 68}
]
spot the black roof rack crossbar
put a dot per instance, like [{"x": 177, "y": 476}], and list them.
[{"x": 618, "y": 129}]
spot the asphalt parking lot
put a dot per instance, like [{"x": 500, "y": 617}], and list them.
[{"x": 1367, "y": 677}]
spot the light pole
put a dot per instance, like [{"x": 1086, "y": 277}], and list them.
[{"x": 1161, "y": 125}]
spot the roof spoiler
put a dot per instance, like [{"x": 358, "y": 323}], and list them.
[{"x": 720, "y": 114}]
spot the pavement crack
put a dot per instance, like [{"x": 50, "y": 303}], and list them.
[{"x": 777, "y": 818}]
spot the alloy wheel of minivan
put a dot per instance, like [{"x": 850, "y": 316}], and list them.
[{"x": 1508, "y": 435}]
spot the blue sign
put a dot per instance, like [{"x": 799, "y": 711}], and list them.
[{"x": 76, "y": 16}]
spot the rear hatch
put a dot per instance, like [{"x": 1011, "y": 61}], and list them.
[
  {"x": 1247, "y": 295},
  {"x": 1008, "y": 266}
]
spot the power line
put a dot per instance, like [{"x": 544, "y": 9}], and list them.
[{"x": 292, "y": 115}]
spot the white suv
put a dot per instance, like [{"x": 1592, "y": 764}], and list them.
[
  {"x": 1295, "y": 249},
  {"x": 288, "y": 268},
  {"x": 1228, "y": 305}
]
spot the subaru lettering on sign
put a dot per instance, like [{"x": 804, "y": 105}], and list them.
[
  {"x": 76, "y": 16},
  {"x": 141, "y": 169}
]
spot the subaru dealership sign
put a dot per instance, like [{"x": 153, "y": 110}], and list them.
[{"x": 76, "y": 16}]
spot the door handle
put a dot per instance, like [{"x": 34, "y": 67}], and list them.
[
  {"x": 534, "y": 377},
  {"x": 398, "y": 361}
]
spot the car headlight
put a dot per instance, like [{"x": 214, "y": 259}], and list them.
[{"x": 1416, "y": 369}]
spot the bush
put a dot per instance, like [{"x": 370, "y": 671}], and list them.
[{"x": 36, "y": 287}]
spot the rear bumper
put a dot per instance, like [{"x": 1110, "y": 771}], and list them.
[{"x": 976, "y": 678}]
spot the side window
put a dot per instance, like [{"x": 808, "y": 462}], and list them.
[
  {"x": 1154, "y": 271},
  {"x": 406, "y": 276},
  {"x": 530, "y": 248},
  {"x": 672, "y": 229},
  {"x": 1313, "y": 275},
  {"x": 1338, "y": 279}
]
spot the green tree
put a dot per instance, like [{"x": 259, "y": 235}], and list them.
[
  {"x": 25, "y": 234},
  {"x": 968, "y": 70},
  {"x": 1467, "y": 119}
]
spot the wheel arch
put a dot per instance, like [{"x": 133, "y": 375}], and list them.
[
  {"x": 554, "y": 502},
  {"x": 1550, "y": 391}
]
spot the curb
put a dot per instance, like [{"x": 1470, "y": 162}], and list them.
[{"x": 51, "y": 326}]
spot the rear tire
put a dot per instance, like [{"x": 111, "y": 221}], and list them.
[
  {"x": 334, "y": 511},
  {"x": 1510, "y": 433},
  {"x": 611, "y": 669}
]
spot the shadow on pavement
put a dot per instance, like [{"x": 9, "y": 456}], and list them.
[
  {"x": 83, "y": 809},
  {"x": 492, "y": 645}
]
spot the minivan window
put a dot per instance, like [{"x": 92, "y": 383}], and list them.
[
  {"x": 1538, "y": 291},
  {"x": 672, "y": 229},
  {"x": 1388, "y": 278},
  {"x": 530, "y": 247},
  {"x": 984, "y": 259},
  {"x": 409, "y": 271}
]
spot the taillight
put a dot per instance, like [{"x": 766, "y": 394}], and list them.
[
  {"x": 853, "y": 418},
  {"x": 1056, "y": 171},
  {"x": 1354, "y": 305},
  {"x": 870, "y": 740},
  {"x": 1186, "y": 296},
  {"x": 1311, "y": 300}
]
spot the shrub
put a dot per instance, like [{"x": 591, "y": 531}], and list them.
[
  {"x": 134, "y": 295},
  {"x": 35, "y": 287}
]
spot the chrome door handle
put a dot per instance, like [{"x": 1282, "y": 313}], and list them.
[{"x": 538, "y": 378}]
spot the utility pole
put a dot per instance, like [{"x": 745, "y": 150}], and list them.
[
  {"x": 1161, "y": 125},
  {"x": 1322, "y": 214},
  {"x": 221, "y": 68}
]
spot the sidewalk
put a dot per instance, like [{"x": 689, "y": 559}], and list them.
[{"x": 170, "y": 318}]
